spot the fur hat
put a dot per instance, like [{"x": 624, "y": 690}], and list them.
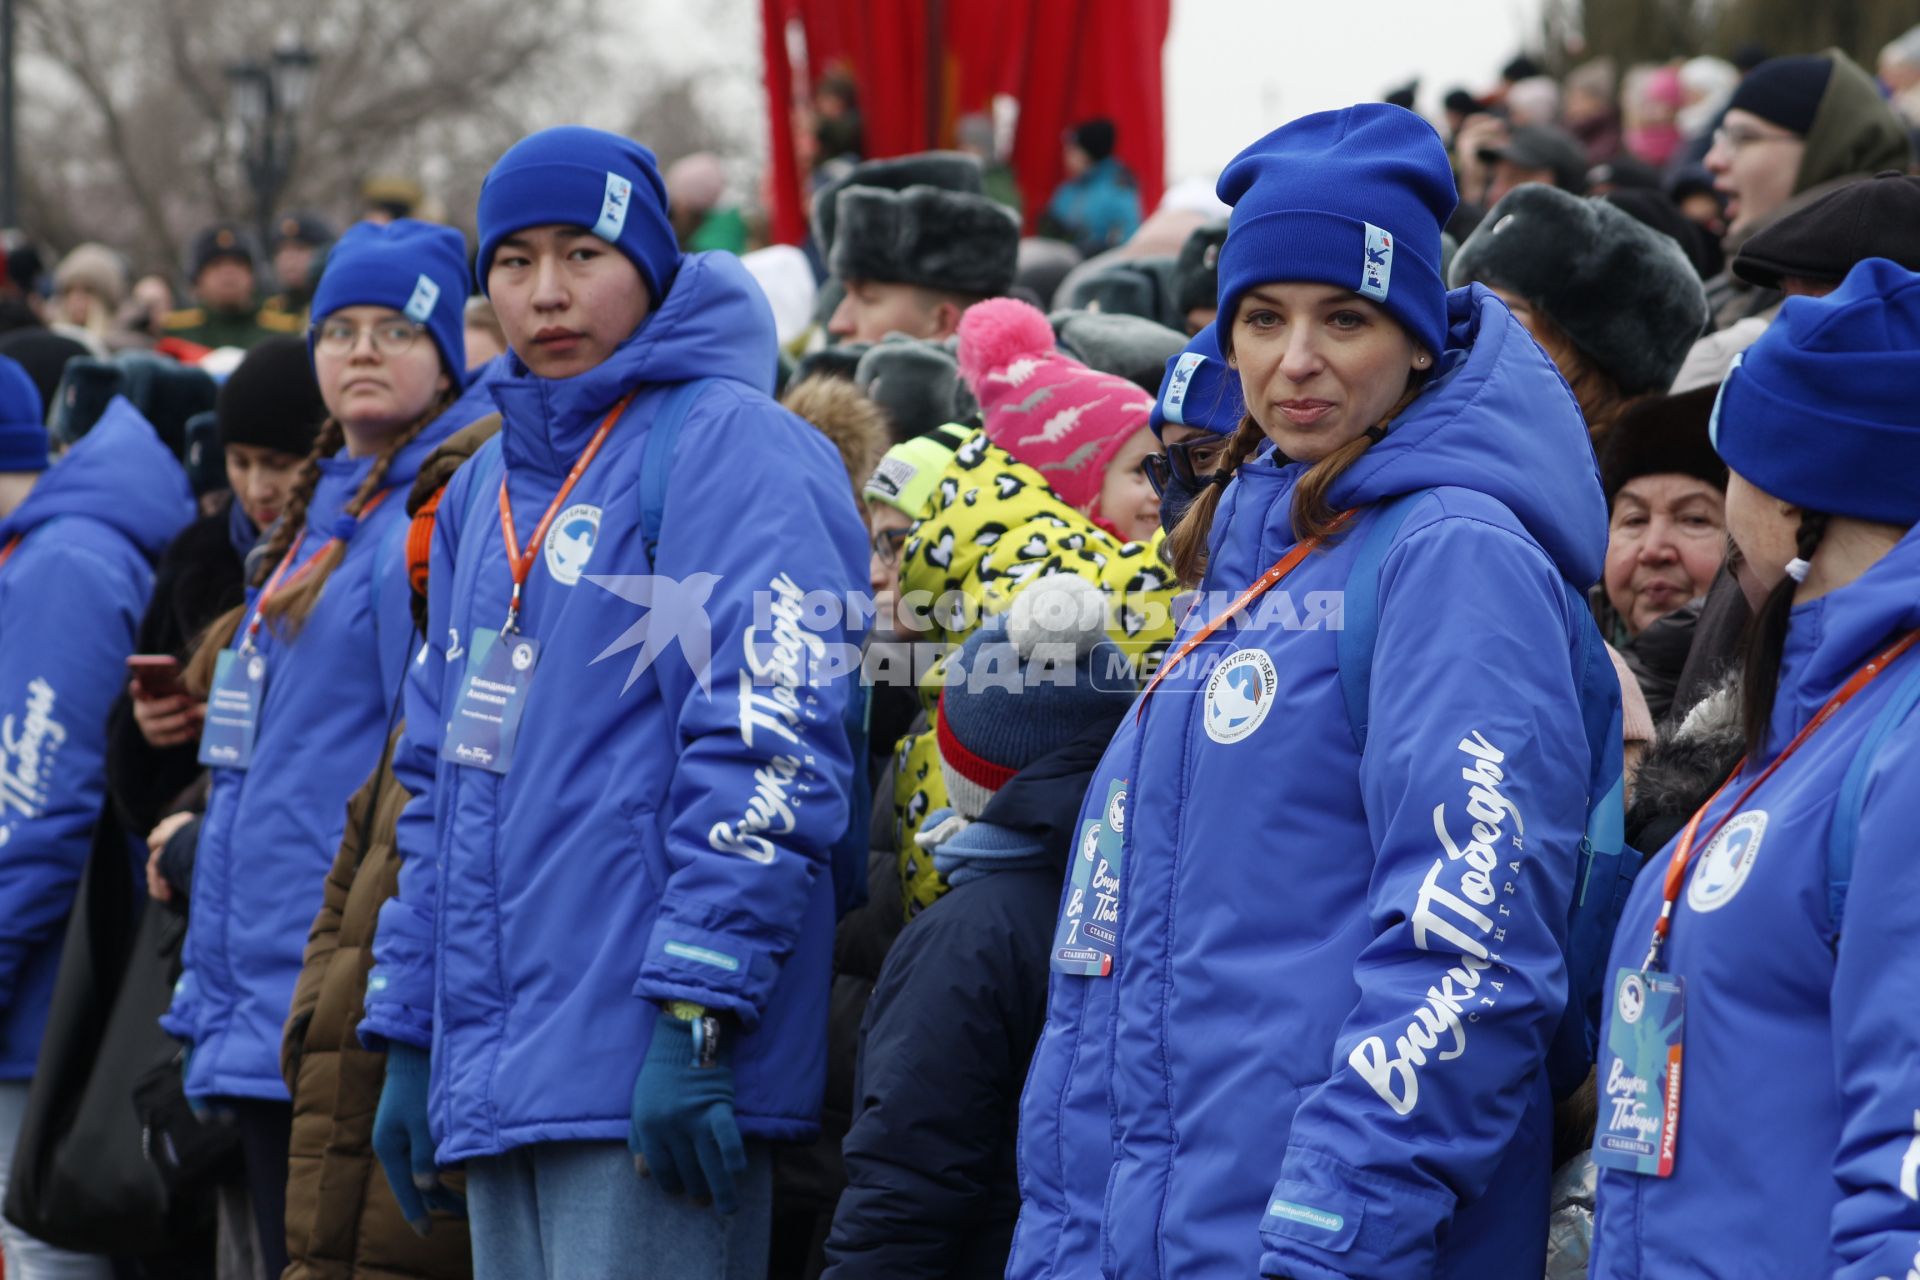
[
  {"x": 1125, "y": 286},
  {"x": 221, "y": 240},
  {"x": 95, "y": 268},
  {"x": 1130, "y": 347},
  {"x": 1196, "y": 272},
  {"x": 1625, "y": 294},
  {"x": 924, "y": 236},
  {"x": 1043, "y": 266},
  {"x": 1047, "y": 409},
  {"x": 915, "y": 383},
  {"x": 1663, "y": 435},
  {"x": 948, "y": 170}
]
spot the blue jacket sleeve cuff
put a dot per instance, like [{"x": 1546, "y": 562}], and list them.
[
  {"x": 1326, "y": 1221},
  {"x": 718, "y": 970}
]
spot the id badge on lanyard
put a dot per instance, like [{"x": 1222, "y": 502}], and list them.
[
  {"x": 492, "y": 699},
  {"x": 1088, "y": 935},
  {"x": 233, "y": 709},
  {"x": 1639, "y": 1078}
]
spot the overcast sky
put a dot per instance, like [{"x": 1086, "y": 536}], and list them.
[{"x": 1238, "y": 68}]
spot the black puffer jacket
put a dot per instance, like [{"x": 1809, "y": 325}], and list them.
[{"x": 948, "y": 1036}]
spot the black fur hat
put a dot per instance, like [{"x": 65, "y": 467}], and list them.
[
  {"x": 1624, "y": 293},
  {"x": 1196, "y": 272},
  {"x": 948, "y": 170},
  {"x": 946, "y": 240},
  {"x": 1663, "y": 435}
]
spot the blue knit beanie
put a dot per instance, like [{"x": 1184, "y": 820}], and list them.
[
  {"x": 579, "y": 177},
  {"x": 1352, "y": 198},
  {"x": 1199, "y": 390},
  {"x": 417, "y": 268},
  {"x": 23, "y": 427},
  {"x": 1819, "y": 411},
  {"x": 1026, "y": 684}
]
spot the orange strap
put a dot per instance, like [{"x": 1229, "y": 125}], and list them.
[
  {"x": 1683, "y": 852},
  {"x": 420, "y": 541},
  {"x": 13, "y": 544},
  {"x": 521, "y": 562},
  {"x": 1264, "y": 583},
  {"x": 273, "y": 583}
]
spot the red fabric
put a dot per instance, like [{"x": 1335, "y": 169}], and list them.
[
  {"x": 982, "y": 773},
  {"x": 1064, "y": 61}
]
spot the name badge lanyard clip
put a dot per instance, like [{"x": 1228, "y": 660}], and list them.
[
  {"x": 521, "y": 562},
  {"x": 247, "y": 644},
  {"x": 1684, "y": 851},
  {"x": 1285, "y": 565}
]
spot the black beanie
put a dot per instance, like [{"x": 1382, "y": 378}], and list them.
[
  {"x": 1785, "y": 91},
  {"x": 1095, "y": 137},
  {"x": 43, "y": 354},
  {"x": 272, "y": 400}
]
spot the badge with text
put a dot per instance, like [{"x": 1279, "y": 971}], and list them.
[
  {"x": 233, "y": 710},
  {"x": 1640, "y": 1074},
  {"x": 493, "y": 697},
  {"x": 1088, "y": 934}
]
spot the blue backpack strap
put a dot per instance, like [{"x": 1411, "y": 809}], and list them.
[
  {"x": 1845, "y": 831},
  {"x": 656, "y": 460},
  {"x": 1360, "y": 614}
]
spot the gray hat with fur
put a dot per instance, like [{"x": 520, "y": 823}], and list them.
[
  {"x": 1131, "y": 347},
  {"x": 936, "y": 239},
  {"x": 1624, "y": 293},
  {"x": 916, "y": 383},
  {"x": 948, "y": 170}
]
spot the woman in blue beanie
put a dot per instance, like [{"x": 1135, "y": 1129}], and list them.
[
  {"x": 1351, "y": 852},
  {"x": 603, "y": 985},
  {"x": 1770, "y": 945},
  {"x": 302, "y": 680}
]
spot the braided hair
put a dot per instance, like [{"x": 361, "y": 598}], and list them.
[{"x": 287, "y": 610}]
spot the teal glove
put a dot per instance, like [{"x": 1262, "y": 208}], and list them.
[
  {"x": 683, "y": 1131},
  {"x": 405, "y": 1145}
]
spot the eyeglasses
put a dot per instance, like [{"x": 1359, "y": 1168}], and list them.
[
  {"x": 1727, "y": 139},
  {"x": 887, "y": 544},
  {"x": 390, "y": 337},
  {"x": 1190, "y": 462}
]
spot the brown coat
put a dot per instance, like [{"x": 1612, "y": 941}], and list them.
[{"x": 342, "y": 1221}]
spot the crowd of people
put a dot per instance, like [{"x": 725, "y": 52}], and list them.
[{"x": 1361, "y": 674}]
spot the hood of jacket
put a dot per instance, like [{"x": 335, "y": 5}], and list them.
[
  {"x": 714, "y": 322},
  {"x": 1498, "y": 420},
  {"x": 119, "y": 474},
  {"x": 1854, "y": 131},
  {"x": 1833, "y": 636}
]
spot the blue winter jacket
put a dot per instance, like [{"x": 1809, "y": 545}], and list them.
[
  {"x": 270, "y": 832},
  {"x": 1338, "y": 971},
  {"x": 1799, "y": 1140},
  {"x": 71, "y": 596},
  {"x": 1065, "y": 1140},
  {"x": 657, "y": 837}
]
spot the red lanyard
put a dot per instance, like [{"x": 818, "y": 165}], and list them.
[
  {"x": 521, "y": 562},
  {"x": 273, "y": 583},
  {"x": 6, "y": 552},
  {"x": 1264, "y": 583},
  {"x": 1683, "y": 856}
]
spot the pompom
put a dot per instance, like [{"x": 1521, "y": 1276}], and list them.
[
  {"x": 997, "y": 332},
  {"x": 1060, "y": 609}
]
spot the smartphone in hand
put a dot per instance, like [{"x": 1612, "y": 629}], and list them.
[{"x": 156, "y": 674}]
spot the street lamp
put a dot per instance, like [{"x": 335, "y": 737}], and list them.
[{"x": 266, "y": 99}]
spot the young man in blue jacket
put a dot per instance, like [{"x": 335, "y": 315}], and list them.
[
  {"x": 603, "y": 984},
  {"x": 77, "y": 546}
]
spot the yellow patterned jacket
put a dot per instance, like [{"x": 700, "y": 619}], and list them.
[{"x": 995, "y": 527}]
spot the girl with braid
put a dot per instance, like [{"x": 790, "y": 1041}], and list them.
[{"x": 301, "y": 682}]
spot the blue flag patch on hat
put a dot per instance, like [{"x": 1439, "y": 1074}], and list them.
[
  {"x": 425, "y": 294},
  {"x": 1376, "y": 268},
  {"x": 1179, "y": 382},
  {"x": 613, "y": 208}
]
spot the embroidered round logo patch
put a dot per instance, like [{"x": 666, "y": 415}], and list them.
[
  {"x": 570, "y": 542},
  {"x": 1239, "y": 695},
  {"x": 1724, "y": 867}
]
